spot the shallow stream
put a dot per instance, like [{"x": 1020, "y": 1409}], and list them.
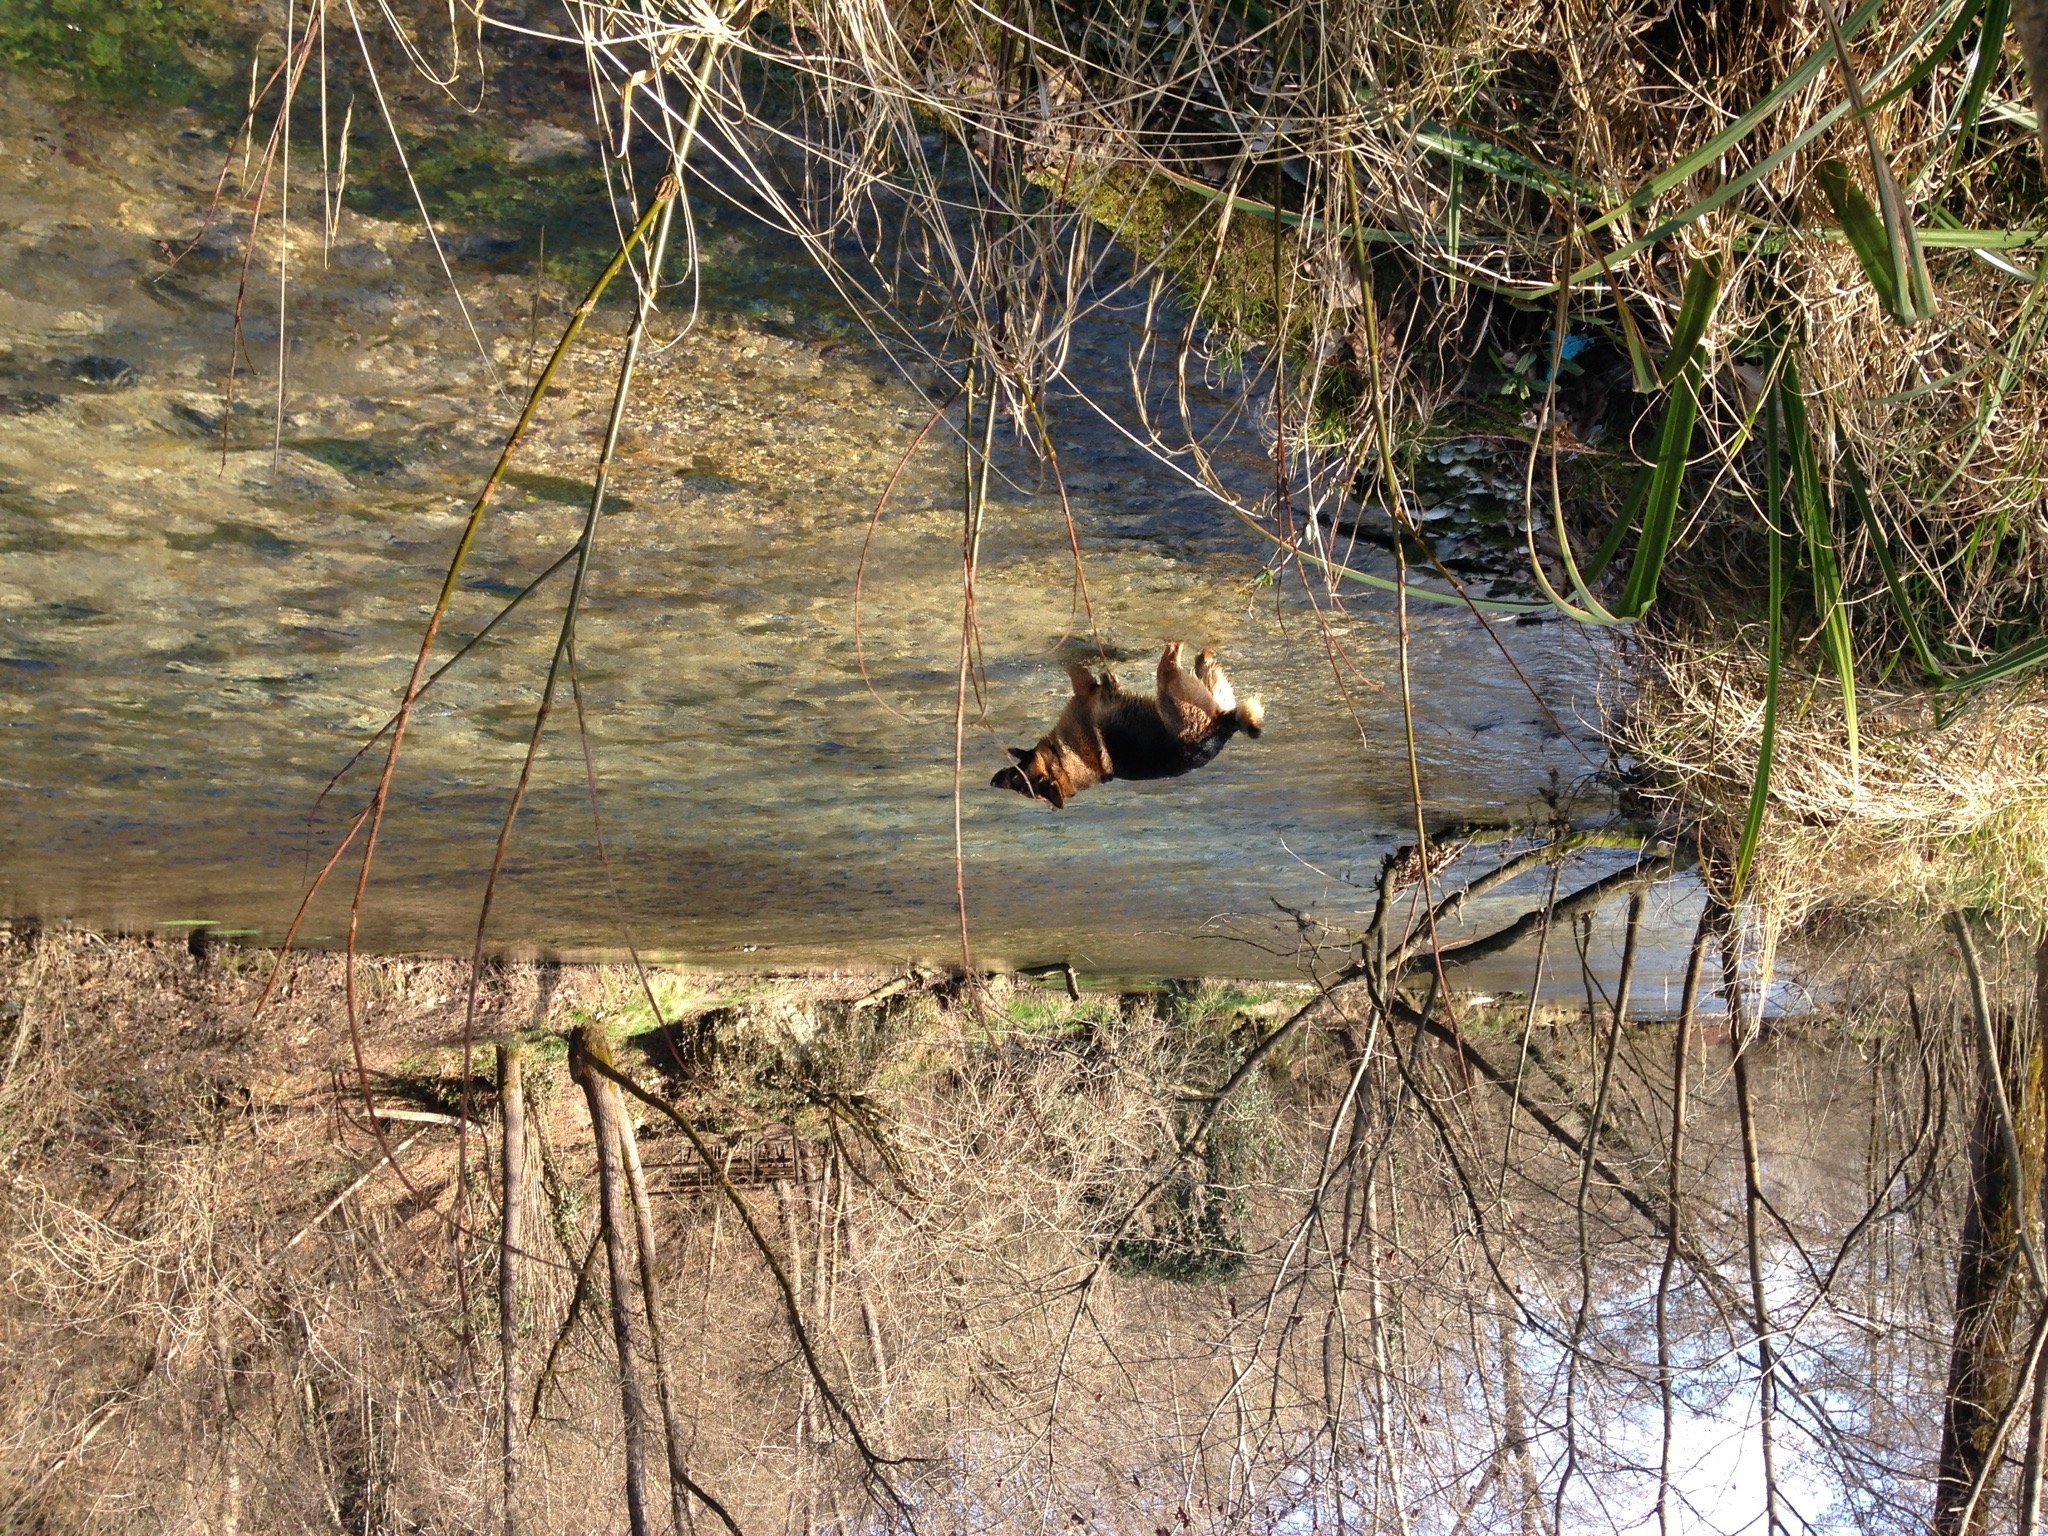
[{"x": 199, "y": 623}]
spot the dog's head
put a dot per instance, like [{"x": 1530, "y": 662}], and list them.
[{"x": 1031, "y": 776}]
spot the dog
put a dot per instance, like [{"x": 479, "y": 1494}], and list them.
[{"x": 1105, "y": 733}]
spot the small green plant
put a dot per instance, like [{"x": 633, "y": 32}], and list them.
[
  {"x": 1218, "y": 1006},
  {"x": 1034, "y": 1013},
  {"x": 1191, "y": 1234}
]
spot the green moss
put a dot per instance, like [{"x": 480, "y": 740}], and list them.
[
  {"x": 1230, "y": 280},
  {"x": 116, "y": 50},
  {"x": 350, "y": 455},
  {"x": 471, "y": 184},
  {"x": 565, "y": 490}
]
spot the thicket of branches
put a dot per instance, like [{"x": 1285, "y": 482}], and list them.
[{"x": 1199, "y": 1261}]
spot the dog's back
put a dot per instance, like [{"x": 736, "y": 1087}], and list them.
[{"x": 1140, "y": 745}]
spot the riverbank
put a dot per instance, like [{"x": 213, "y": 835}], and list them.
[{"x": 896, "y": 1233}]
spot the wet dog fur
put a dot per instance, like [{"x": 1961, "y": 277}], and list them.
[{"x": 1105, "y": 733}]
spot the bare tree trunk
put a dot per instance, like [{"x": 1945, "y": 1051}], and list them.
[
  {"x": 586, "y": 1047},
  {"x": 1989, "y": 1346},
  {"x": 2037, "y": 1433},
  {"x": 802, "y": 1518},
  {"x": 1741, "y": 1037},
  {"x": 1681, "y": 1059},
  {"x": 1514, "y": 1412},
  {"x": 870, "y": 1320},
  {"x": 512, "y": 1170},
  {"x": 650, "y": 1289}
]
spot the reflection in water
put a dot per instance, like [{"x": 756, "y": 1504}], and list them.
[{"x": 196, "y": 640}]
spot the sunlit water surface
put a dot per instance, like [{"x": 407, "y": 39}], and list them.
[{"x": 194, "y": 638}]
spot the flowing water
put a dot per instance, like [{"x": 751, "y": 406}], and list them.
[{"x": 206, "y": 608}]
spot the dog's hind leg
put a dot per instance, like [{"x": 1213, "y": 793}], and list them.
[
  {"x": 1213, "y": 679},
  {"x": 1185, "y": 703}
]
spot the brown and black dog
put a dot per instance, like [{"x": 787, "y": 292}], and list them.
[{"x": 1105, "y": 733}]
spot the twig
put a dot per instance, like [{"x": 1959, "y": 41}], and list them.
[
  {"x": 1681, "y": 1066},
  {"x": 1994, "y": 1087},
  {"x": 512, "y": 1189},
  {"x": 389, "y": 1155},
  {"x": 586, "y": 1050}
]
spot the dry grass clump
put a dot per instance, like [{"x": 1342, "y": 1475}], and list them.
[
  {"x": 192, "y": 1335},
  {"x": 1935, "y": 812},
  {"x": 223, "y": 1310}
]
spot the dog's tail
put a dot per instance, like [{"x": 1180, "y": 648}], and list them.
[{"x": 1251, "y": 716}]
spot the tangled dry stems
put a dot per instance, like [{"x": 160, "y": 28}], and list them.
[
  {"x": 192, "y": 1336},
  {"x": 170, "y": 1358},
  {"x": 1934, "y": 813},
  {"x": 1447, "y": 158}
]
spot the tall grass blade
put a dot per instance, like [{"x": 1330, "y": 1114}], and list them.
[
  {"x": 1951, "y": 236},
  {"x": 1660, "y": 503},
  {"x": 1452, "y": 234},
  {"x": 1710, "y": 153},
  {"x": 1880, "y": 544},
  {"x": 1653, "y": 508},
  {"x": 1611, "y": 545},
  {"x": 1865, "y": 231},
  {"x": 1695, "y": 309},
  {"x": 1505, "y": 164},
  {"x": 1938, "y": 55},
  {"x": 1706, "y": 156},
  {"x": 1760, "y": 786},
  {"x": 1593, "y": 612},
  {"x": 1990, "y": 45},
  {"x": 1643, "y": 370},
  {"x": 1817, "y": 535},
  {"x": 1909, "y": 260},
  {"x": 2014, "y": 663},
  {"x": 1910, "y": 283}
]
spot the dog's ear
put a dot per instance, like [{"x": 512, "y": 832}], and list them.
[
  {"x": 1022, "y": 754},
  {"x": 1049, "y": 792}
]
